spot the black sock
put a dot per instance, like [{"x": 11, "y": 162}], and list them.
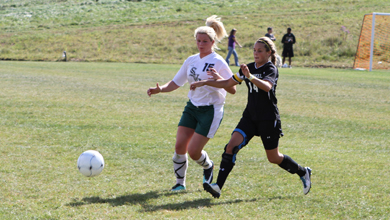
[
  {"x": 291, "y": 166},
  {"x": 224, "y": 169}
]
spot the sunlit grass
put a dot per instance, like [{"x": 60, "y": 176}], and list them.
[
  {"x": 335, "y": 121},
  {"x": 162, "y": 31}
]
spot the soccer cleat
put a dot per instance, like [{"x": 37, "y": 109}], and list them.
[
  {"x": 178, "y": 187},
  {"x": 208, "y": 174},
  {"x": 306, "y": 181},
  {"x": 213, "y": 189}
]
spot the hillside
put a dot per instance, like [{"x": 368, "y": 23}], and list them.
[{"x": 162, "y": 31}]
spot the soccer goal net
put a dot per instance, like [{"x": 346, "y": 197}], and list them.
[{"x": 373, "y": 51}]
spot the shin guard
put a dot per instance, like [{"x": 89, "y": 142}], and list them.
[
  {"x": 225, "y": 168},
  {"x": 180, "y": 165},
  {"x": 204, "y": 160},
  {"x": 289, "y": 165}
]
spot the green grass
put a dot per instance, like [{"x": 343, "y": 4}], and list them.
[
  {"x": 162, "y": 31},
  {"x": 335, "y": 121}
]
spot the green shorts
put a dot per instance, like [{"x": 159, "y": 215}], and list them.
[{"x": 205, "y": 120}]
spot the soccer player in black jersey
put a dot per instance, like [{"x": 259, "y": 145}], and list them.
[{"x": 260, "y": 117}]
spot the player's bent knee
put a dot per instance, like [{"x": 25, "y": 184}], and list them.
[
  {"x": 275, "y": 160},
  {"x": 274, "y": 156},
  {"x": 229, "y": 149},
  {"x": 235, "y": 146},
  {"x": 232, "y": 148},
  {"x": 194, "y": 155}
]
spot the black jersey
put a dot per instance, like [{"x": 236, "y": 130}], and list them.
[
  {"x": 261, "y": 105},
  {"x": 291, "y": 40}
]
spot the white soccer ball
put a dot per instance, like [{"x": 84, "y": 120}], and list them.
[{"x": 90, "y": 163}]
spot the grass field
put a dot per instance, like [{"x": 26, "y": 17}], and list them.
[
  {"x": 161, "y": 31},
  {"x": 335, "y": 121}
]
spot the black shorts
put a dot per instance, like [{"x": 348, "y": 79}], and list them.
[
  {"x": 288, "y": 52},
  {"x": 269, "y": 130}
]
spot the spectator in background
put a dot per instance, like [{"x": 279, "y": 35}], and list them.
[
  {"x": 288, "y": 40},
  {"x": 270, "y": 35},
  {"x": 232, "y": 47}
]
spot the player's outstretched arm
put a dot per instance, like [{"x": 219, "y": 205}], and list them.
[
  {"x": 215, "y": 76},
  {"x": 154, "y": 90},
  {"x": 224, "y": 83},
  {"x": 168, "y": 87},
  {"x": 232, "y": 90}
]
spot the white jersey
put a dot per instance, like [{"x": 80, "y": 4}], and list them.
[{"x": 195, "y": 69}]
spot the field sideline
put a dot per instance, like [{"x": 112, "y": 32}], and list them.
[
  {"x": 335, "y": 121},
  {"x": 161, "y": 31}
]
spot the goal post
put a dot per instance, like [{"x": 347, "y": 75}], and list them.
[{"x": 373, "y": 50}]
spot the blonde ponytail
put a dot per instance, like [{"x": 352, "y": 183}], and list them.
[
  {"x": 214, "y": 29},
  {"x": 217, "y": 25}
]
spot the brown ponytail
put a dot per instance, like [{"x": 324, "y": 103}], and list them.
[{"x": 270, "y": 46}]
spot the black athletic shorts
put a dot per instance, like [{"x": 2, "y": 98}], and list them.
[
  {"x": 269, "y": 130},
  {"x": 288, "y": 52}
]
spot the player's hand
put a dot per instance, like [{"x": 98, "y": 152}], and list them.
[
  {"x": 155, "y": 90},
  {"x": 245, "y": 70},
  {"x": 214, "y": 74},
  {"x": 194, "y": 85}
]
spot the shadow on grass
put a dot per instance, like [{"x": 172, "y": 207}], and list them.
[
  {"x": 143, "y": 200},
  {"x": 132, "y": 199},
  {"x": 194, "y": 204}
]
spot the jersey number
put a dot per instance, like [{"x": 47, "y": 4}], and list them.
[
  {"x": 207, "y": 66},
  {"x": 253, "y": 87}
]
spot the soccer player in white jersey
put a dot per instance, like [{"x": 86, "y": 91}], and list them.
[
  {"x": 260, "y": 117},
  {"x": 204, "y": 111}
]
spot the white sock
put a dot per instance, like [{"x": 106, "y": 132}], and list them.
[
  {"x": 180, "y": 165},
  {"x": 204, "y": 160}
]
